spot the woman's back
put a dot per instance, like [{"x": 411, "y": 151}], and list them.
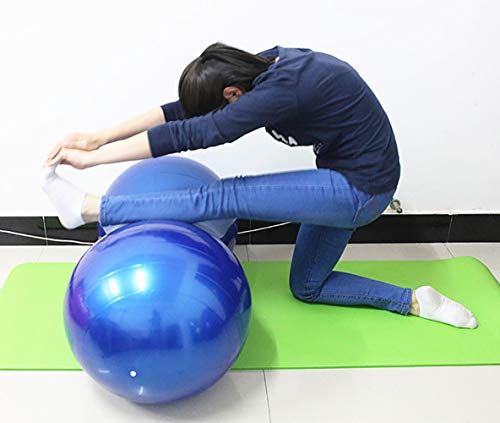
[
  {"x": 339, "y": 115},
  {"x": 305, "y": 98}
]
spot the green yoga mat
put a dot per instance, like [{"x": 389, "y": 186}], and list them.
[{"x": 285, "y": 332}]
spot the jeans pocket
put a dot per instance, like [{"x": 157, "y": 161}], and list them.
[
  {"x": 368, "y": 211},
  {"x": 373, "y": 205},
  {"x": 385, "y": 199}
]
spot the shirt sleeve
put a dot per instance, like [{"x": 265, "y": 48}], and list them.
[
  {"x": 271, "y": 101},
  {"x": 173, "y": 111}
]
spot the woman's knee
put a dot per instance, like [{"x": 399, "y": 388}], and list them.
[{"x": 301, "y": 290}]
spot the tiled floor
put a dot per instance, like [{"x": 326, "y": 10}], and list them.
[{"x": 419, "y": 394}]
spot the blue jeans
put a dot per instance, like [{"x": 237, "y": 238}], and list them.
[{"x": 322, "y": 200}]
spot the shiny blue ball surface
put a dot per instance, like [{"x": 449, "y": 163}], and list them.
[
  {"x": 170, "y": 173},
  {"x": 157, "y": 311}
]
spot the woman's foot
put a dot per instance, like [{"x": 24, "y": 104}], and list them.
[
  {"x": 74, "y": 206},
  {"x": 90, "y": 208},
  {"x": 428, "y": 303},
  {"x": 415, "y": 306}
]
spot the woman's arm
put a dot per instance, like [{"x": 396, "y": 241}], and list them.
[
  {"x": 270, "y": 102},
  {"x": 133, "y": 135},
  {"x": 132, "y": 126},
  {"x": 133, "y": 148}
]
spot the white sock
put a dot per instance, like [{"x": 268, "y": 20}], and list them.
[
  {"x": 435, "y": 306},
  {"x": 65, "y": 196}
]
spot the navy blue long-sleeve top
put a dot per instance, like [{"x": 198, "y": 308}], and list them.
[{"x": 305, "y": 98}]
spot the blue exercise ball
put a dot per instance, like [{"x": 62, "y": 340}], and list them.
[
  {"x": 229, "y": 238},
  {"x": 157, "y": 311},
  {"x": 170, "y": 173}
]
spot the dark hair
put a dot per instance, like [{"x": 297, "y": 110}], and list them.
[{"x": 204, "y": 79}]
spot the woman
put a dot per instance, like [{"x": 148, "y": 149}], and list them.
[{"x": 301, "y": 97}]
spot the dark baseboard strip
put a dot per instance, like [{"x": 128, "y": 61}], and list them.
[{"x": 386, "y": 229}]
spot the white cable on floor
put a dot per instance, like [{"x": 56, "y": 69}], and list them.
[
  {"x": 45, "y": 238},
  {"x": 265, "y": 227}
]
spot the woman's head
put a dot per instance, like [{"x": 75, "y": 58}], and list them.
[{"x": 217, "y": 77}]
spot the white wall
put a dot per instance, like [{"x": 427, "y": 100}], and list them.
[{"x": 82, "y": 66}]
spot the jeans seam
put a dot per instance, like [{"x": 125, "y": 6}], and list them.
[
  {"x": 407, "y": 300},
  {"x": 102, "y": 211},
  {"x": 361, "y": 209},
  {"x": 363, "y": 297},
  {"x": 286, "y": 186},
  {"x": 316, "y": 251},
  {"x": 183, "y": 193}
]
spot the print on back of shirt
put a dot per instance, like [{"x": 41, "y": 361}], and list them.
[
  {"x": 287, "y": 139},
  {"x": 291, "y": 141}
]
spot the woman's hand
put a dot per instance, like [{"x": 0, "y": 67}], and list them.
[
  {"x": 78, "y": 140},
  {"x": 79, "y": 159}
]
